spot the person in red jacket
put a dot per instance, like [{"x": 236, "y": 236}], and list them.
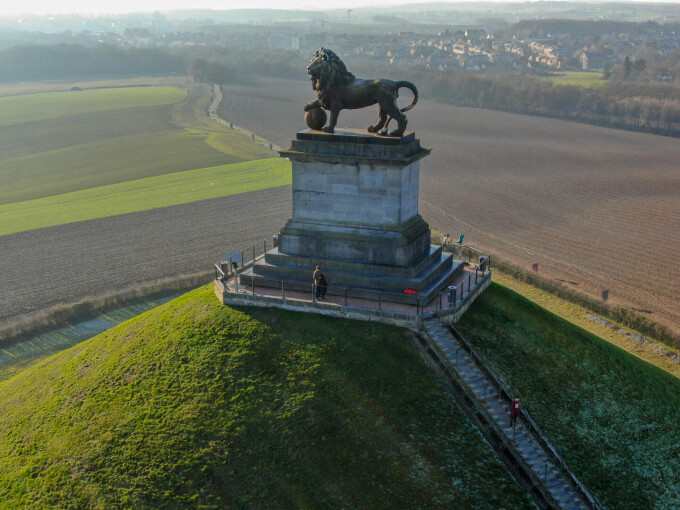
[{"x": 515, "y": 408}]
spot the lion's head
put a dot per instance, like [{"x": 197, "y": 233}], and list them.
[{"x": 327, "y": 71}]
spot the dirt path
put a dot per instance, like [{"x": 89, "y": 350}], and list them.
[
  {"x": 597, "y": 208},
  {"x": 46, "y": 267}
]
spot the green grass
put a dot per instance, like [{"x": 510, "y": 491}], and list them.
[
  {"x": 144, "y": 194},
  {"x": 52, "y": 105},
  {"x": 613, "y": 417},
  {"x": 196, "y": 405},
  {"x": 108, "y": 161},
  {"x": 77, "y": 152},
  {"x": 579, "y": 78},
  {"x": 28, "y": 138}
]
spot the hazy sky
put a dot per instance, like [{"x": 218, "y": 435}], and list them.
[{"x": 120, "y": 6}]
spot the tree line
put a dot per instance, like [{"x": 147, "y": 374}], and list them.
[
  {"x": 643, "y": 106},
  {"x": 40, "y": 62}
]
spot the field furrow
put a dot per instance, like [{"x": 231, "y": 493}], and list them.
[{"x": 63, "y": 264}]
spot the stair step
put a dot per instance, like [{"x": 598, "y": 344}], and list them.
[
  {"x": 448, "y": 344},
  {"x": 536, "y": 457},
  {"x": 448, "y": 347},
  {"x": 553, "y": 484},
  {"x": 564, "y": 495}
]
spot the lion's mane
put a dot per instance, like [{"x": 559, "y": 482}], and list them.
[{"x": 329, "y": 72}]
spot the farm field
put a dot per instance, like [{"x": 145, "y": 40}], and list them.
[
  {"x": 98, "y": 137},
  {"x": 143, "y": 194},
  {"x": 596, "y": 208},
  {"x": 579, "y": 78},
  {"x": 63, "y": 264},
  {"x": 69, "y": 156}
]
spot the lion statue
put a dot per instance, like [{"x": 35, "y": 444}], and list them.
[{"x": 337, "y": 89}]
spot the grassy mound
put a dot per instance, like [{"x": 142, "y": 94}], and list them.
[
  {"x": 196, "y": 405},
  {"x": 613, "y": 417}
]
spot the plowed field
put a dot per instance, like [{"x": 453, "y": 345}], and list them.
[
  {"x": 63, "y": 264},
  {"x": 597, "y": 208}
]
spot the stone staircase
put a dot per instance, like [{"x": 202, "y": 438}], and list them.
[{"x": 538, "y": 462}]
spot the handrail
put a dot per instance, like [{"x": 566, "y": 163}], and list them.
[
  {"x": 366, "y": 293},
  {"x": 488, "y": 418},
  {"x": 534, "y": 429}
]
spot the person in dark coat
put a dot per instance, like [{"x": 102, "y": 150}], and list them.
[
  {"x": 515, "y": 408},
  {"x": 317, "y": 276},
  {"x": 323, "y": 286}
]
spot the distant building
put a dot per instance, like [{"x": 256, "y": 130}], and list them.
[
  {"x": 594, "y": 60},
  {"x": 284, "y": 42}
]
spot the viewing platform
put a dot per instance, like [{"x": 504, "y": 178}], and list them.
[{"x": 448, "y": 305}]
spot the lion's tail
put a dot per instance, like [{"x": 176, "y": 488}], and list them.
[{"x": 408, "y": 85}]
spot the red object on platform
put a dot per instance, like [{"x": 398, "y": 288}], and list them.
[{"x": 410, "y": 291}]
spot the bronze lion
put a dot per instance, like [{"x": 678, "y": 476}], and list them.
[{"x": 337, "y": 89}]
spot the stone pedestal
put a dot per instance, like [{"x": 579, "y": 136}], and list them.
[{"x": 355, "y": 213}]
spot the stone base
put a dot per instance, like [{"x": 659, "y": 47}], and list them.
[
  {"x": 427, "y": 277},
  {"x": 355, "y": 214},
  {"x": 402, "y": 244}
]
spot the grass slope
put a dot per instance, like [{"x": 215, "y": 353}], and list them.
[
  {"x": 196, "y": 405},
  {"x": 144, "y": 194},
  {"x": 613, "y": 417}
]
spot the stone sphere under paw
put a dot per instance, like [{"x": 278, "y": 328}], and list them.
[{"x": 315, "y": 118}]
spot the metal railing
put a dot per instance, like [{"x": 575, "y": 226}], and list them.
[
  {"x": 343, "y": 292},
  {"x": 237, "y": 261},
  {"x": 472, "y": 405},
  {"x": 531, "y": 425}
]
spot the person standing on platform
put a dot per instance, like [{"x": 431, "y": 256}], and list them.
[
  {"x": 318, "y": 276},
  {"x": 324, "y": 286},
  {"x": 515, "y": 408}
]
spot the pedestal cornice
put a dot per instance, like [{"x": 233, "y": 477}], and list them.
[{"x": 355, "y": 147}]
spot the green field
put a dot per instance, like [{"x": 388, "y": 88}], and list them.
[
  {"x": 53, "y": 105},
  {"x": 579, "y": 78},
  {"x": 197, "y": 405},
  {"x": 143, "y": 194},
  {"x": 55, "y": 144},
  {"x": 613, "y": 417}
]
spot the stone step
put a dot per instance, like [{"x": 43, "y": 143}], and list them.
[
  {"x": 565, "y": 496},
  {"x": 471, "y": 377},
  {"x": 440, "y": 334},
  {"x": 479, "y": 384},
  {"x": 447, "y": 347},
  {"x": 554, "y": 483},
  {"x": 521, "y": 441},
  {"x": 457, "y": 356},
  {"x": 540, "y": 468},
  {"x": 498, "y": 409},
  {"x": 493, "y": 411},
  {"x": 463, "y": 363},
  {"x": 535, "y": 457}
]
